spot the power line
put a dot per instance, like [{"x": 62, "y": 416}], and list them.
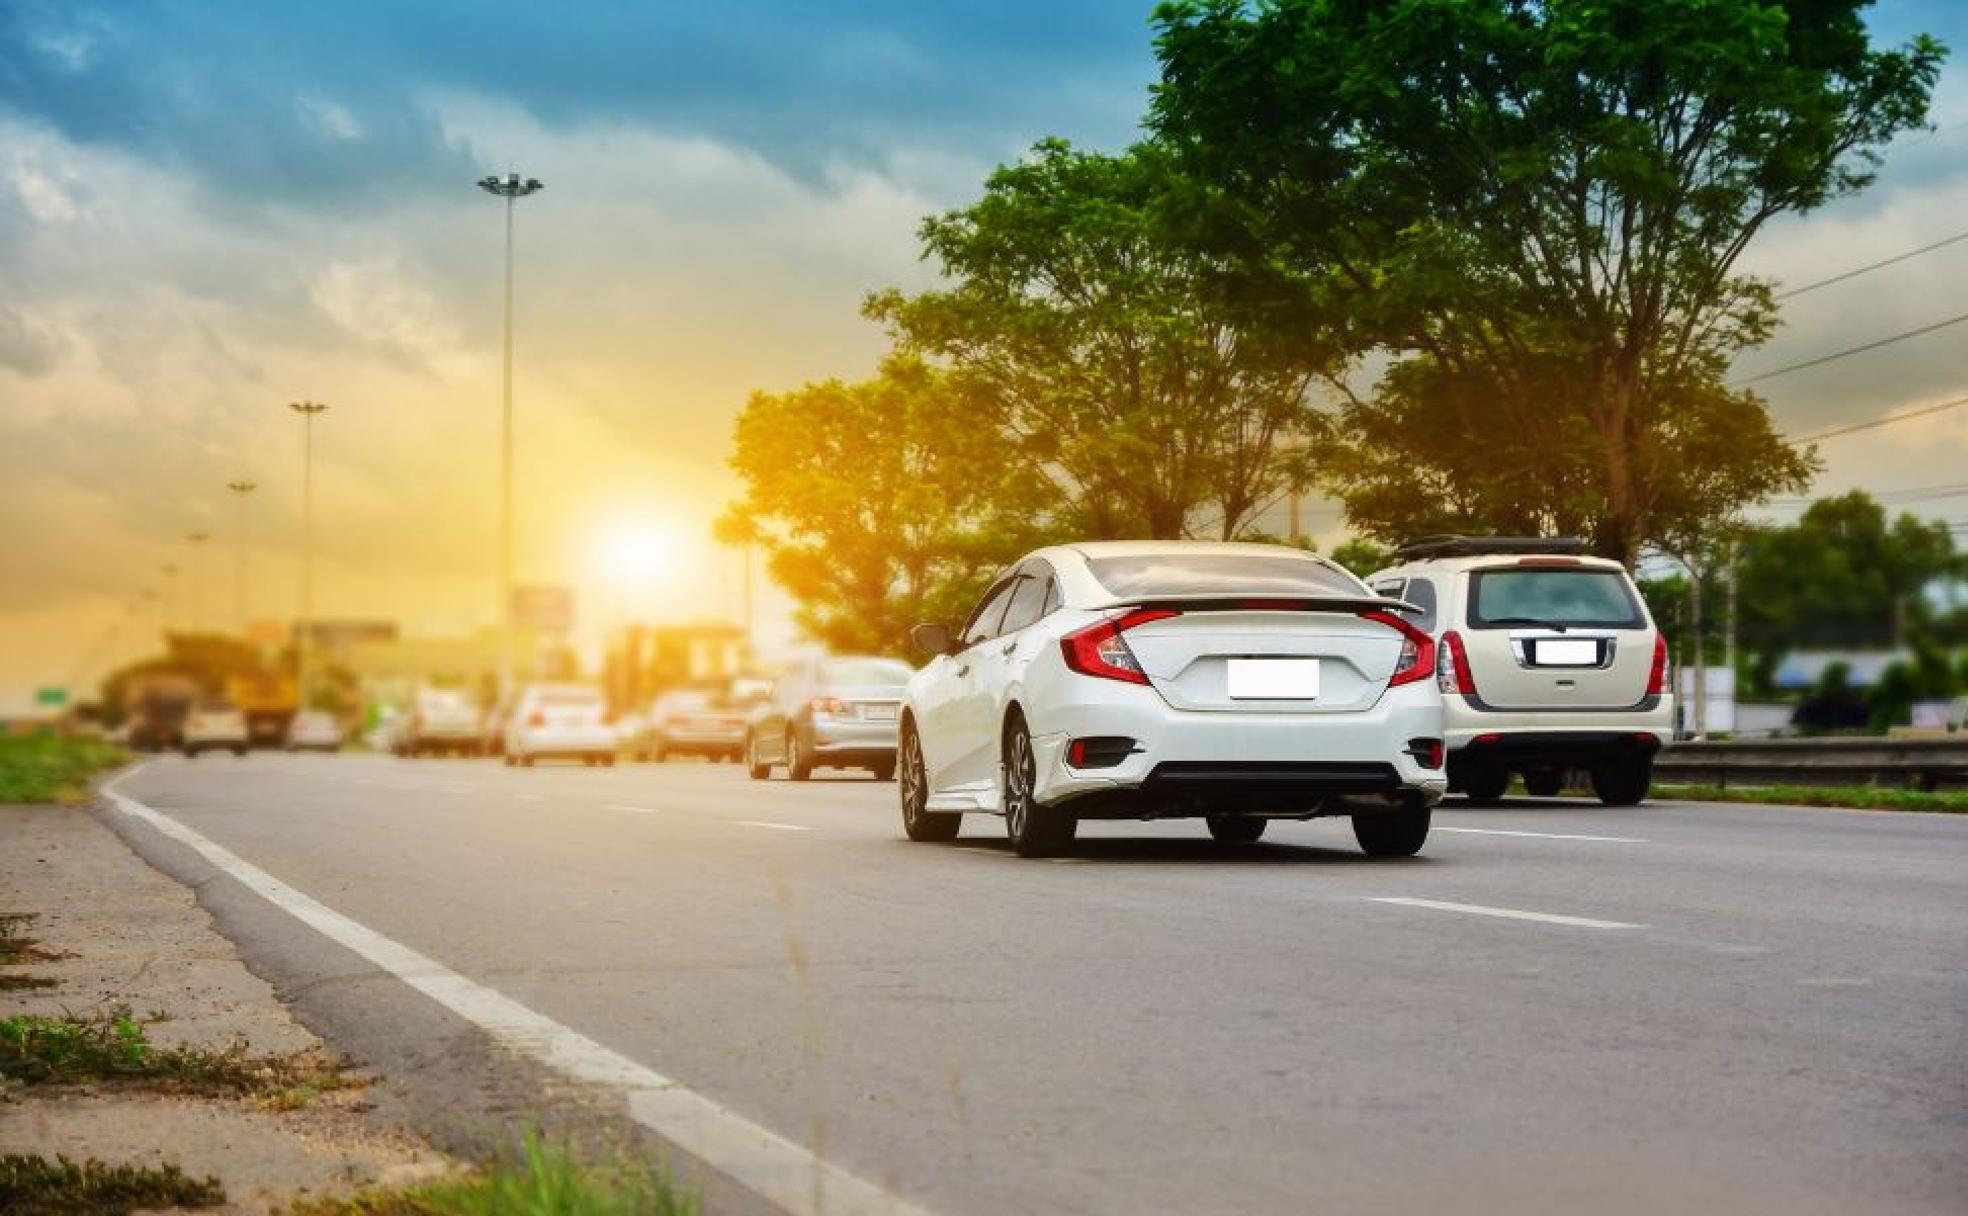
[
  {"x": 1886, "y": 420},
  {"x": 1856, "y": 350},
  {"x": 1909, "y": 494},
  {"x": 1853, "y": 274}
]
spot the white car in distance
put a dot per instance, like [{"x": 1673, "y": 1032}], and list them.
[
  {"x": 559, "y": 722},
  {"x": 215, "y": 726},
  {"x": 1237, "y": 683}
]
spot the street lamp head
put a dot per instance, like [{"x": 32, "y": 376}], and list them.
[
  {"x": 199, "y": 538},
  {"x": 306, "y": 407},
  {"x": 242, "y": 486},
  {"x": 510, "y": 186}
]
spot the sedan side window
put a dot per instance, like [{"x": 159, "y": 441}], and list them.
[
  {"x": 983, "y": 624},
  {"x": 1027, "y": 604}
]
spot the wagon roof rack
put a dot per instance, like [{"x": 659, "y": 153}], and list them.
[{"x": 1472, "y": 546}]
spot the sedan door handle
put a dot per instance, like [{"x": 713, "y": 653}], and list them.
[
  {"x": 1009, "y": 649},
  {"x": 964, "y": 670}
]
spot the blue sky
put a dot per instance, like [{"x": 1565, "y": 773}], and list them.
[{"x": 208, "y": 209}]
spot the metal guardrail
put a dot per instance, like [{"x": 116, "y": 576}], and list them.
[{"x": 1919, "y": 764}]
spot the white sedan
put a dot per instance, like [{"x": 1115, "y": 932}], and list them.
[{"x": 1237, "y": 683}]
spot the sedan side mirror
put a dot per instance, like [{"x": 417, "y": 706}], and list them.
[{"x": 932, "y": 638}]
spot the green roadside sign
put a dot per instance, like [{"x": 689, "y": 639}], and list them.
[{"x": 53, "y": 698}]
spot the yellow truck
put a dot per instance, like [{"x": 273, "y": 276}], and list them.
[{"x": 268, "y": 702}]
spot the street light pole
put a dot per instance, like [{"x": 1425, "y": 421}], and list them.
[
  {"x": 511, "y": 187},
  {"x": 197, "y": 540},
  {"x": 303, "y": 643},
  {"x": 240, "y": 489}
]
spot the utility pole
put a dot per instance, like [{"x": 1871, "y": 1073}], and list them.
[
  {"x": 240, "y": 489},
  {"x": 1700, "y": 670},
  {"x": 1729, "y": 629},
  {"x": 510, "y": 188},
  {"x": 197, "y": 540},
  {"x": 304, "y": 633}
]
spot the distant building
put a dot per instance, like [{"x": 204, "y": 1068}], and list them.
[
  {"x": 1803, "y": 669},
  {"x": 645, "y": 660},
  {"x": 389, "y": 670}
]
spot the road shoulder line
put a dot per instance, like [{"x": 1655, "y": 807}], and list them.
[{"x": 777, "y": 1169}]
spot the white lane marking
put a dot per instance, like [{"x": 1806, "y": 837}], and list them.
[
  {"x": 531, "y": 797},
  {"x": 1576, "y": 922},
  {"x": 1541, "y": 835},
  {"x": 637, "y": 810},
  {"x": 783, "y": 827},
  {"x": 787, "y": 1174}
]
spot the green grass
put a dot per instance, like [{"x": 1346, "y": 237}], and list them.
[
  {"x": 1860, "y": 798},
  {"x": 36, "y": 1186},
  {"x": 49, "y": 769},
  {"x": 541, "y": 1179},
  {"x": 111, "y": 1046}
]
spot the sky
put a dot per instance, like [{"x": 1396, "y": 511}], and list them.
[{"x": 208, "y": 210}]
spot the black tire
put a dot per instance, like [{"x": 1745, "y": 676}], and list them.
[
  {"x": 1035, "y": 829},
  {"x": 191, "y": 753},
  {"x": 655, "y": 755},
  {"x": 1486, "y": 785},
  {"x": 1392, "y": 833},
  {"x": 510, "y": 761},
  {"x": 1237, "y": 829},
  {"x": 1623, "y": 782},
  {"x": 799, "y": 766},
  {"x": 239, "y": 751},
  {"x": 1544, "y": 782},
  {"x": 753, "y": 768},
  {"x": 919, "y": 823},
  {"x": 608, "y": 761},
  {"x": 884, "y": 772}
]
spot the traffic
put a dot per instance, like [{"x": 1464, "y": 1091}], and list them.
[{"x": 1235, "y": 683}]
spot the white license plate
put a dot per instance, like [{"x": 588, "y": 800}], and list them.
[
  {"x": 1567, "y": 652},
  {"x": 878, "y": 713},
  {"x": 1274, "y": 679}
]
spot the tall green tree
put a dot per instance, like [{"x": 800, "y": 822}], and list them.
[
  {"x": 1124, "y": 366},
  {"x": 1842, "y": 576},
  {"x": 1537, "y": 206},
  {"x": 881, "y": 503}
]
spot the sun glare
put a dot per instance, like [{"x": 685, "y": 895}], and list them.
[{"x": 637, "y": 555}]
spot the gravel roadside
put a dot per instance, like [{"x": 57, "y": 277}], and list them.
[{"x": 112, "y": 932}]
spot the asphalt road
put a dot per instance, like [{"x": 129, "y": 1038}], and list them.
[{"x": 1556, "y": 1008}]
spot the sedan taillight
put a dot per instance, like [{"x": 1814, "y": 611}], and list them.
[
  {"x": 537, "y": 719},
  {"x": 1099, "y": 650},
  {"x": 1452, "y": 666},
  {"x": 1417, "y": 660},
  {"x": 1658, "y": 674}
]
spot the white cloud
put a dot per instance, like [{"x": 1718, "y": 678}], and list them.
[{"x": 329, "y": 118}]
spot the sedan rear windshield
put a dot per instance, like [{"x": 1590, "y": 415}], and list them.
[
  {"x": 1149, "y": 576},
  {"x": 865, "y": 671},
  {"x": 1503, "y": 599}
]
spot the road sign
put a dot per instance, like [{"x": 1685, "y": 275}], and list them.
[{"x": 51, "y": 697}]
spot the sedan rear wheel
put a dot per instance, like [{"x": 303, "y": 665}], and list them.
[
  {"x": 1392, "y": 833},
  {"x": 1035, "y": 829},
  {"x": 920, "y": 823},
  {"x": 1236, "y": 829},
  {"x": 799, "y": 766},
  {"x": 1623, "y": 782}
]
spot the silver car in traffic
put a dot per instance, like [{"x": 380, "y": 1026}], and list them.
[{"x": 836, "y": 712}]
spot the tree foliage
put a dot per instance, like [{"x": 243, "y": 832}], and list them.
[
  {"x": 1538, "y": 208},
  {"x": 1842, "y": 576},
  {"x": 1120, "y": 362},
  {"x": 881, "y": 503}
]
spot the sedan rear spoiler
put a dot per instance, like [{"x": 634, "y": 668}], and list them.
[{"x": 1354, "y": 604}]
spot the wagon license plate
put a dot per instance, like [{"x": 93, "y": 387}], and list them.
[
  {"x": 878, "y": 713},
  {"x": 1567, "y": 652},
  {"x": 1274, "y": 679}
]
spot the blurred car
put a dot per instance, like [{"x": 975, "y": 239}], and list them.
[
  {"x": 836, "y": 712},
  {"x": 693, "y": 722},
  {"x": 1233, "y": 683},
  {"x": 559, "y": 722},
  {"x": 442, "y": 722},
  {"x": 214, "y": 726},
  {"x": 314, "y": 731}
]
